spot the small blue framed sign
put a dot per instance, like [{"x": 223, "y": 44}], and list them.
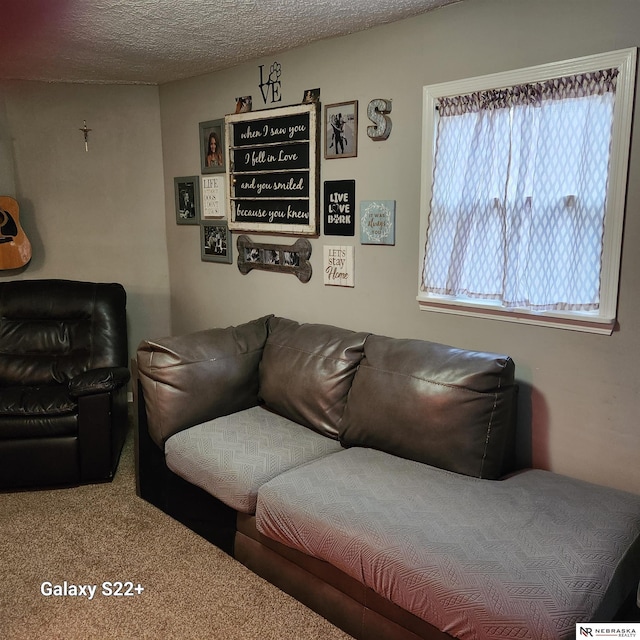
[{"x": 378, "y": 222}]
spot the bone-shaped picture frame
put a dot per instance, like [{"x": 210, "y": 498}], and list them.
[{"x": 282, "y": 258}]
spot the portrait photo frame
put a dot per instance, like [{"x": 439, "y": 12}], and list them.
[
  {"x": 212, "y": 160},
  {"x": 187, "y": 199},
  {"x": 215, "y": 242},
  {"x": 341, "y": 130}
]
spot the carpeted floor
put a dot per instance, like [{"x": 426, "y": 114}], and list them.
[{"x": 94, "y": 534}]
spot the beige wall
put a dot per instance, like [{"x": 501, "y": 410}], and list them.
[
  {"x": 91, "y": 216},
  {"x": 578, "y": 403}
]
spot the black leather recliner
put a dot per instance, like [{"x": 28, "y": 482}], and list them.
[{"x": 63, "y": 382}]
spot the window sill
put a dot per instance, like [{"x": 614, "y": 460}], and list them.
[{"x": 572, "y": 321}]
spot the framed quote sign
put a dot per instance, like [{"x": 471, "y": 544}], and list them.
[{"x": 274, "y": 170}]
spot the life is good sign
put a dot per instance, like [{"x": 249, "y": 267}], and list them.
[{"x": 273, "y": 160}]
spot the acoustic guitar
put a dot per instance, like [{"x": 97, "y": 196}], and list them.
[{"x": 15, "y": 248}]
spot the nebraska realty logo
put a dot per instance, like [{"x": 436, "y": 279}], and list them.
[{"x": 608, "y": 630}]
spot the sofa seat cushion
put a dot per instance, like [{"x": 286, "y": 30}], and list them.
[
  {"x": 231, "y": 457},
  {"x": 524, "y": 557},
  {"x": 35, "y": 412}
]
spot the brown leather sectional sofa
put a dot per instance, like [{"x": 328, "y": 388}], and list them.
[{"x": 366, "y": 476}]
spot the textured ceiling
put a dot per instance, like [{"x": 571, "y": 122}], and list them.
[{"x": 157, "y": 41}]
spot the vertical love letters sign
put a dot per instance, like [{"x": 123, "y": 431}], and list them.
[{"x": 339, "y": 207}]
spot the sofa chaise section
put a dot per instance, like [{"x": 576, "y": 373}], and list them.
[{"x": 525, "y": 557}]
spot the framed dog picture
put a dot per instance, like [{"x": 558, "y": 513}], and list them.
[
  {"x": 212, "y": 156},
  {"x": 341, "y": 130}
]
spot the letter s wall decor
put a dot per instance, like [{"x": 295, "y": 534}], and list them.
[{"x": 376, "y": 112}]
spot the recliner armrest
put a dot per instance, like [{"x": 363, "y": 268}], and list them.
[{"x": 103, "y": 380}]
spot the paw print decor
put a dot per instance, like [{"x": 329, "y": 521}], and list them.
[{"x": 272, "y": 86}]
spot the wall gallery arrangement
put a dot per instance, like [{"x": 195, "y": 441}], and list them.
[{"x": 269, "y": 183}]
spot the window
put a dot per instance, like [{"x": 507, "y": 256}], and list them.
[{"x": 523, "y": 192}]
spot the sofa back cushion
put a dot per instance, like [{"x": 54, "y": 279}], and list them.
[
  {"x": 446, "y": 407},
  {"x": 200, "y": 376},
  {"x": 307, "y": 370}
]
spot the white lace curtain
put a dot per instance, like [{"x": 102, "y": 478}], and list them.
[{"x": 519, "y": 194}]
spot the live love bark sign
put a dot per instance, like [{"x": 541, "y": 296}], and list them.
[{"x": 272, "y": 157}]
